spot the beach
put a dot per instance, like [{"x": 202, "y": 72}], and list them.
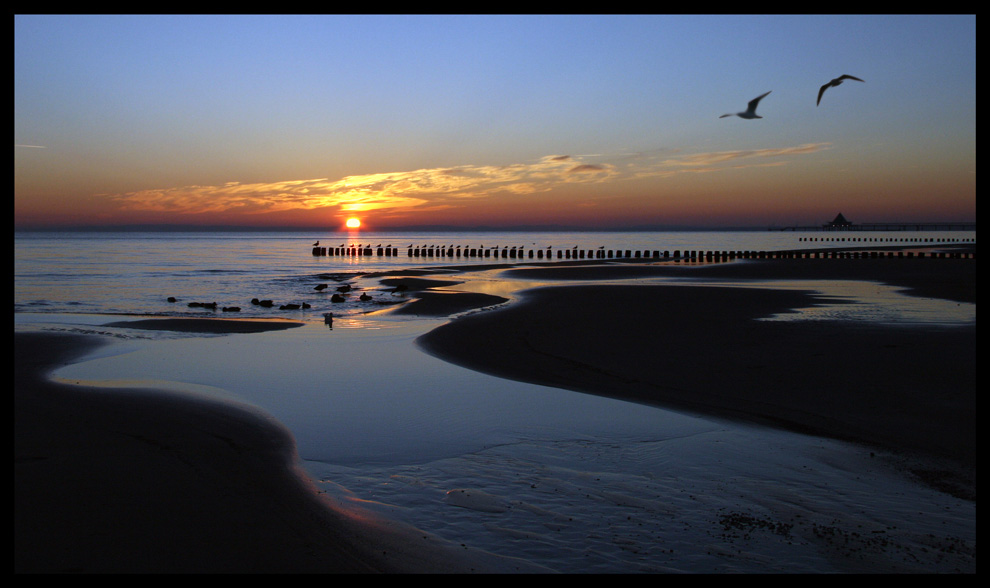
[
  {"x": 118, "y": 482},
  {"x": 910, "y": 389},
  {"x": 227, "y": 494}
]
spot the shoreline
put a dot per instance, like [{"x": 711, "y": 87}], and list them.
[
  {"x": 905, "y": 389},
  {"x": 950, "y": 279},
  {"x": 113, "y": 480},
  {"x": 107, "y": 481}
]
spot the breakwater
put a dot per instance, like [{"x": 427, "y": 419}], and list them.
[{"x": 601, "y": 253}]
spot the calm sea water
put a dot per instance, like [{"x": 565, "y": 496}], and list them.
[{"x": 136, "y": 273}]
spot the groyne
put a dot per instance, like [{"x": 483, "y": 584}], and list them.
[{"x": 851, "y": 247}]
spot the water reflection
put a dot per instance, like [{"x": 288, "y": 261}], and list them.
[
  {"x": 875, "y": 303},
  {"x": 365, "y": 395},
  {"x": 835, "y": 300}
]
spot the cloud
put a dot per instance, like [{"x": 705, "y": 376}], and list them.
[
  {"x": 586, "y": 168},
  {"x": 716, "y": 157},
  {"x": 31, "y": 146},
  {"x": 436, "y": 188}
]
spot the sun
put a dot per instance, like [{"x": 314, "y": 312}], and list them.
[{"x": 353, "y": 223}]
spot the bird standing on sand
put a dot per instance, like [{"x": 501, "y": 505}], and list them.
[
  {"x": 750, "y": 111},
  {"x": 837, "y": 81}
]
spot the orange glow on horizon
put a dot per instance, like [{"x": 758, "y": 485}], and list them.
[{"x": 757, "y": 187}]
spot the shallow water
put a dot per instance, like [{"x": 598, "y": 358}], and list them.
[
  {"x": 835, "y": 300},
  {"x": 567, "y": 481}
]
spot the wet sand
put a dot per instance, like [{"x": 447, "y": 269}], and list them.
[
  {"x": 112, "y": 481},
  {"x": 910, "y": 390},
  {"x": 107, "y": 481},
  {"x": 431, "y": 299},
  {"x": 138, "y": 481}
]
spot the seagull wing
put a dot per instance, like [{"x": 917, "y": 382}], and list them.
[
  {"x": 822, "y": 91},
  {"x": 835, "y": 82},
  {"x": 751, "y": 107}
]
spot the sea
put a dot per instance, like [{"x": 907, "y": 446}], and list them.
[
  {"x": 138, "y": 272},
  {"x": 539, "y": 478}
]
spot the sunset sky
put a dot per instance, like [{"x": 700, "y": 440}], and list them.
[{"x": 594, "y": 121}]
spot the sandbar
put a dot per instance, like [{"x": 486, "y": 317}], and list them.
[
  {"x": 430, "y": 299},
  {"x": 906, "y": 389}
]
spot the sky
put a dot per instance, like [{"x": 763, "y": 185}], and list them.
[{"x": 596, "y": 121}]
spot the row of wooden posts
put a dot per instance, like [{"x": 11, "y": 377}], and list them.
[
  {"x": 602, "y": 253},
  {"x": 887, "y": 240}
]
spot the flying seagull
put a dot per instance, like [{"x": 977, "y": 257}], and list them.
[
  {"x": 837, "y": 81},
  {"x": 750, "y": 109}
]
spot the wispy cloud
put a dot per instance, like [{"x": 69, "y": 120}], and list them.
[
  {"x": 436, "y": 188},
  {"x": 715, "y": 157},
  {"x": 31, "y": 146},
  {"x": 585, "y": 168}
]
